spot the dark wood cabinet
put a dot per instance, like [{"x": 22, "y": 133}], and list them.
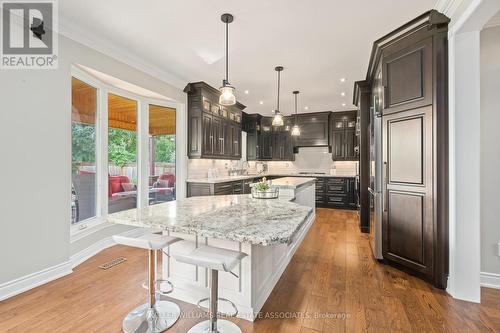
[
  {"x": 336, "y": 192},
  {"x": 407, "y": 76},
  {"x": 343, "y": 137},
  {"x": 314, "y": 128},
  {"x": 408, "y": 73},
  {"x": 207, "y": 146},
  {"x": 268, "y": 143},
  {"x": 338, "y": 145},
  {"x": 214, "y": 131},
  {"x": 225, "y": 188},
  {"x": 253, "y": 153},
  {"x": 251, "y": 125},
  {"x": 350, "y": 145},
  {"x": 266, "y": 146},
  {"x": 218, "y": 137},
  {"x": 407, "y": 209}
]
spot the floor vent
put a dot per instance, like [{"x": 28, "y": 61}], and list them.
[{"x": 113, "y": 263}]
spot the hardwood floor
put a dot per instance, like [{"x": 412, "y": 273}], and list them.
[{"x": 333, "y": 284}]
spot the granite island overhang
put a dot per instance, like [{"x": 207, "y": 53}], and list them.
[{"x": 269, "y": 231}]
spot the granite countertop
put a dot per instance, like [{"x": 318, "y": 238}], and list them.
[
  {"x": 225, "y": 179},
  {"x": 292, "y": 182},
  {"x": 232, "y": 217}
]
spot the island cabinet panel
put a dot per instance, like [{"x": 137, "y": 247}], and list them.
[
  {"x": 225, "y": 188},
  {"x": 214, "y": 131},
  {"x": 313, "y": 129},
  {"x": 257, "y": 273}
]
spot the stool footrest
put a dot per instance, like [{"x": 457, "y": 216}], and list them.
[
  {"x": 158, "y": 285},
  {"x": 207, "y": 299},
  {"x": 159, "y": 289}
]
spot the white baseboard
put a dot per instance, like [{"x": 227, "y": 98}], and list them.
[
  {"x": 83, "y": 255},
  {"x": 27, "y": 282},
  {"x": 30, "y": 281},
  {"x": 490, "y": 280}
]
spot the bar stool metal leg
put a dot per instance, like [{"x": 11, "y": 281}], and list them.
[
  {"x": 214, "y": 325},
  {"x": 155, "y": 316}
]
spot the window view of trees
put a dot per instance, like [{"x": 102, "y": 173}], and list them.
[
  {"x": 165, "y": 148},
  {"x": 122, "y": 147},
  {"x": 82, "y": 144}
]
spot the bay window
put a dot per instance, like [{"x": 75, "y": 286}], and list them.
[{"x": 123, "y": 151}]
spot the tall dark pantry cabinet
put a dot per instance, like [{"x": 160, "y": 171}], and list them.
[{"x": 406, "y": 85}]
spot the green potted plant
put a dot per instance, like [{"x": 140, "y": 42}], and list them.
[{"x": 262, "y": 190}]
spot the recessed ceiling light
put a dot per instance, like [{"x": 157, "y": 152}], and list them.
[
  {"x": 306, "y": 108},
  {"x": 343, "y": 104},
  {"x": 342, "y": 79},
  {"x": 342, "y": 94},
  {"x": 261, "y": 102},
  {"x": 247, "y": 92}
]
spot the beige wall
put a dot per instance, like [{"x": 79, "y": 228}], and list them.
[
  {"x": 490, "y": 149},
  {"x": 35, "y": 143}
]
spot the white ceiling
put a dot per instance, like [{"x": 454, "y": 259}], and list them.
[{"x": 318, "y": 42}]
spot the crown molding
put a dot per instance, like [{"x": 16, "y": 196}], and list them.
[
  {"x": 112, "y": 50},
  {"x": 494, "y": 22},
  {"x": 447, "y": 7}
]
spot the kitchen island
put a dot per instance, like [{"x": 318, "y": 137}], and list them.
[{"x": 269, "y": 231}]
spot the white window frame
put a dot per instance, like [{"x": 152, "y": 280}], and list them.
[
  {"x": 82, "y": 226},
  {"x": 91, "y": 225}
]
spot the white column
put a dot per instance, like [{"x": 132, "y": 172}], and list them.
[{"x": 465, "y": 254}]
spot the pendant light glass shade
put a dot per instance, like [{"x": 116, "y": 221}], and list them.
[
  {"x": 278, "y": 119},
  {"x": 227, "y": 95},
  {"x": 295, "y": 128}
]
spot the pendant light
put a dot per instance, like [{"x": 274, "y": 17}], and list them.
[
  {"x": 227, "y": 91},
  {"x": 295, "y": 128},
  {"x": 278, "y": 117}
]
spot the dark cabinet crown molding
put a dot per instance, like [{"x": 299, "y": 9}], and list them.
[
  {"x": 429, "y": 23},
  {"x": 359, "y": 88}
]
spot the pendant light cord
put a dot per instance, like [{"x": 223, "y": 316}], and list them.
[
  {"x": 227, "y": 52},
  {"x": 279, "y": 75},
  {"x": 296, "y": 109}
]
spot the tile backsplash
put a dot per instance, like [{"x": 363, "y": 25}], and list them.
[
  {"x": 309, "y": 159},
  {"x": 198, "y": 168}
]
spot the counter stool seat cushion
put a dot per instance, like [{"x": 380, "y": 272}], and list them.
[
  {"x": 148, "y": 241},
  {"x": 212, "y": 258}
]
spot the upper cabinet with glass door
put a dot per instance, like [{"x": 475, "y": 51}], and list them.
[{"x": 214, "y": 131}]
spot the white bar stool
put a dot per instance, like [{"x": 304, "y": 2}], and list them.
[
  {"x": 216, "y": 259},
  {"x": 156, "y": 315}
]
